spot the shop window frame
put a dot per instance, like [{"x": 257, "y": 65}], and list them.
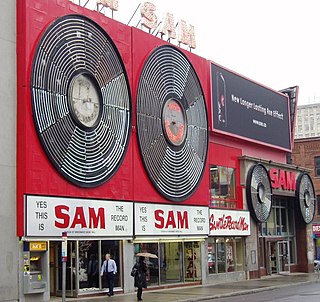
[
  {"x": 317, "y": 166},
  {"x": 219, "y": 261},
  {"x": 223, "y": 194}
]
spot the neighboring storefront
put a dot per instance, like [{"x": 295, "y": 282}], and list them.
[
  {"x": 316, "y": 240},
  {"x": 226, "y": 243},
  {"x": 282, "y": 203}
]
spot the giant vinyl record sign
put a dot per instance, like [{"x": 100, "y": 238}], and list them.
[
  {"x": 81, "y": 101},
  {"x": 171, "y": 122},
  {"x": 74, "y": 104},
  {"x": 305, "y": 198}
]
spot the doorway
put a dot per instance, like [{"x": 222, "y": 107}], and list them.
[
  {"x": 279, "y": 257},
  {"x": 56, "y": 269},
  {"x": 78, "y": 265},
  {"x": 283, "y": 256}
]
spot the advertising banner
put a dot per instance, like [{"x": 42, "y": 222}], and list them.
[{"x": 248, "y": 110}]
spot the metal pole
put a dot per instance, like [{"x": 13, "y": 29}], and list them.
[
  {"x": 64, "y": 266},
  {"x": 64, "y": 253}
]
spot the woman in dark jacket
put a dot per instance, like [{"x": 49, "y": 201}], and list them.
[{"x": 140, "y": 278}]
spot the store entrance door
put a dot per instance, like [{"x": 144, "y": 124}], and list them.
[
  {"x": 70, "y": 269},
  {"x": 283, "y": 257},
  {"x": 272, "y": 251},
  {"x": 279, "y": 257}
]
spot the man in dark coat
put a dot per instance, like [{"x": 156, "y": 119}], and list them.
[
  {"x": 93, "y": 272},
  {"x": 140, "y": 278}
]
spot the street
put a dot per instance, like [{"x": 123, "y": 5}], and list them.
[{"x": 298, "y": 293}]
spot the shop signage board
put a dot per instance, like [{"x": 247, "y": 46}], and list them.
[
  {"x": 49, "y": 216},
  {"x": 38, "y": 246},
  {"x": 316, "y": 229},
  {"x": 161, "y": 219},
  {"x": 282, "y": 179},
  {"x": 229, "y": 223}
]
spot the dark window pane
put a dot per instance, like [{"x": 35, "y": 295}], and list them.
[{"x": 317, "y": 166}]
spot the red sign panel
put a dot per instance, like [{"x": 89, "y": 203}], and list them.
[{"x": 316, "y": 229}]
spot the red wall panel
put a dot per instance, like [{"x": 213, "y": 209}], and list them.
[{"x": 35, "y": 173}]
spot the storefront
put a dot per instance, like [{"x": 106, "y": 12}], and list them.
[
  {"x": 176, "y": 234},
  {"x": 226, "y": 243},
  {"x": 178, "y": 261},
  {"x": 94, "y": 228},
  {"x": 82, "y": 257},
  {"x": 316, "y": 240},
  {"x": 282, "y": 204}
]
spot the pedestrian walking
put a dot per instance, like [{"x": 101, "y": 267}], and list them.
[
  {"x": 108, "y": 271},
  {"x": 140, "y": 278}
]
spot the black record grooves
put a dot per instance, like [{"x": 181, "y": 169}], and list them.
[
  {"x": 172, "y": 123},
  {"x": 259, "y": 193},
  {"x": 81, "y": 100},
  {"x": 305, "y": 197}
]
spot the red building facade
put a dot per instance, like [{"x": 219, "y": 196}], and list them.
[{"x": 129, "y": 144}]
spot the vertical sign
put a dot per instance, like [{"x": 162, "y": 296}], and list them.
[{"x": 64, "y": 248}]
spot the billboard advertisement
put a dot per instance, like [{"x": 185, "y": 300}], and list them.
[{"x": 249, "y": 110}]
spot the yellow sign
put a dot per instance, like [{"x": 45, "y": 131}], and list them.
[{"x": 38, "y": 246}]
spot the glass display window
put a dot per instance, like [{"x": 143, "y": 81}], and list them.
[
  {"x": 177, "y": 262},
  {"x": 192, "y": 261},
  {"x": 223, "y": 187},
  {"x": 152, "y": 263},
  {"x": 225, "y": 254}
]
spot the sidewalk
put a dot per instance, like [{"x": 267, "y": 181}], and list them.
[{"x": 207, "y": 292}]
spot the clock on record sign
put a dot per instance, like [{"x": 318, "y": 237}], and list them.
[{"x": 85, "y": 100}]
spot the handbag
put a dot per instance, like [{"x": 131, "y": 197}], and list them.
[{"x": 133, "y": 271}]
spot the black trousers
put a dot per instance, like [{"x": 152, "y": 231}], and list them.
[
  {"x": 110, "y": 281},
  {"x": 139, "y": 293}
]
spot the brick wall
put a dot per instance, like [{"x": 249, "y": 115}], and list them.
[{"x": 303, "y": 154}]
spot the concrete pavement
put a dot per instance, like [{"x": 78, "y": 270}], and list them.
[{"x": 207, "y": 292}]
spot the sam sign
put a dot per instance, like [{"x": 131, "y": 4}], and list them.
[
  {"x": 155, "y": 219},
  {"x": 49, "y": 216}
]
